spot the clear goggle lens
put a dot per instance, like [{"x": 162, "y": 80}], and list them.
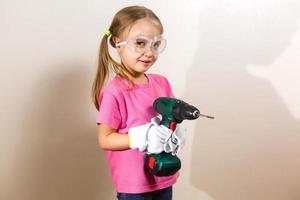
[{"x": 144, "y": 44}]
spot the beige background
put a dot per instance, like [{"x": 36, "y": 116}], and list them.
[{"x": 237, "y": 60}]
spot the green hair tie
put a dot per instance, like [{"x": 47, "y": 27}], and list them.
[{"x": 107, "y": 33}]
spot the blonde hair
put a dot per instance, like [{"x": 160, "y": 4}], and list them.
[{"x": 122, "y": 22}]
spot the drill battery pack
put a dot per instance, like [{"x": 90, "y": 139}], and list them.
[{"x": 163, "y": 164}]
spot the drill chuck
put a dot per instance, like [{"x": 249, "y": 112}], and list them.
[
  {"x": 196, "y": 114},
  {"x": 183, "y": 111}
]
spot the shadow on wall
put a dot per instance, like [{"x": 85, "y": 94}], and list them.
[
  {"x": 58, "y": 155},
  {"x": 251, "y": 150}
]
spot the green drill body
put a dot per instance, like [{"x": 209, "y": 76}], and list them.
[{"x": 173, "y": 111}]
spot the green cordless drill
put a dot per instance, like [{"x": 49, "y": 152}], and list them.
[{"x": 173, "y": 111}]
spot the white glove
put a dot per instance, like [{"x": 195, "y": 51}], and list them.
[
  {"x": 149, "y": 137},
  {"x": 177, "y": 140},
  {"x": 157, "y": 136},
  {"x": 138, "y": 136}
]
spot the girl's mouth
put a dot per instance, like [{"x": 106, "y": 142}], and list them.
[{"x": 145, "y": 61}]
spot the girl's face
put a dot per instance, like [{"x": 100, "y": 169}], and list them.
[{"x": 136, "y": 55}]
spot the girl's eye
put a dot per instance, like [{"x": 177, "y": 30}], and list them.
[
  {"x": 157, "y": 44},
  {"x": 140, "y": 43}
]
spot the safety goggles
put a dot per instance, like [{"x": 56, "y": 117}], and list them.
[{"x": 143, "y": 44}]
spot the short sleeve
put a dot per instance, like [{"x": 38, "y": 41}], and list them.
[
  {"x": 169, "y": 88},
  {"x": 109, "y": 111}
]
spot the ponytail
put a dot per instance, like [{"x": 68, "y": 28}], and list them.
[
  {"x": 106, "y": 64},
  {"x": 103, "y": 71}
]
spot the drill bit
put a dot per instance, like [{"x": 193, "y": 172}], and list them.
[{"x": 207, "y": 116}]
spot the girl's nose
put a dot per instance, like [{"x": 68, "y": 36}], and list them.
[{"x": 148, "y": 52}]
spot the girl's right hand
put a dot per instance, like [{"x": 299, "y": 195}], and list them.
[
  {"x": 150, "y": 137},
  {"x": 158, "y": 135}
]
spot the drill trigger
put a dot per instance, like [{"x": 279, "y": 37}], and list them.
[{"x": 172, "y": 126}]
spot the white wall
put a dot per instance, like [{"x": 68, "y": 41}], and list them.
[{"x": 237, "y": 60}]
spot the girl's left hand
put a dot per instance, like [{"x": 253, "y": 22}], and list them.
[{"x": 176, "y": 141}]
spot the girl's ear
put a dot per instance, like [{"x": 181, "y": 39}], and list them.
[{"x": 116, "y": 41}]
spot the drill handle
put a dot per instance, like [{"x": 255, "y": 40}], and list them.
[{"x": 169, "y": 122}]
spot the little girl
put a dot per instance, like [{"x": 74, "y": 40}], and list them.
[{"x": 128, "y": 126}]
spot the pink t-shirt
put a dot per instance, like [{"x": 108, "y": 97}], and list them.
[{"x": 122, "y": 108}]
